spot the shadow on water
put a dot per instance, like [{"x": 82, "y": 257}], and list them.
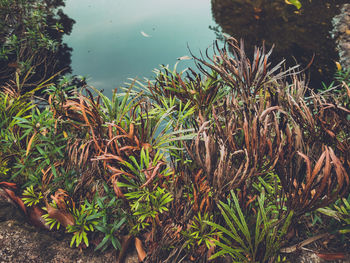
[{"x": 297, "y": 35}]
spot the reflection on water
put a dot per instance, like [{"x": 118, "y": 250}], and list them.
[
  {"x": 299, "y": 34},
  {"x": 113, "y": 40}
]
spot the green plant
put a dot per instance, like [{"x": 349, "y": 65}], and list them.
[
  {"x": 30, "y": 136},
  {"x": 146, "y": 204},
  {"x": 342, "y": 75},
  {"x": 39, "y": 145},
  {"x": 296, "y": 3},
  {"x": 12, "y": 105},
  {"x": 3, "y": 167},
  {"x": 86, "y": 219},
  {"x": 31, "y": 197},
  {"x": 112, "y": 219},
  {"x": 340, "y": 211},
  {"x": 200, "y": 232},
  {"x": 31, "y": 32},
  {"x": 250, "y": 238},
  {"x": 51, "y": 222},
  {"x": 116, "y": 109},
  {"x": 147, "y": 200}
]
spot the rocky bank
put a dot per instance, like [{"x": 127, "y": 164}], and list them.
[{"x": 341, "y": 34}]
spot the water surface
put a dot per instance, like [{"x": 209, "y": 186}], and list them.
[
  {"x": 299, "y": 36},
  {"x": 114, "y": 40}
]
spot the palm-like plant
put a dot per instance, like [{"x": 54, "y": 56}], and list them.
[{"x": 251, "y": 237}]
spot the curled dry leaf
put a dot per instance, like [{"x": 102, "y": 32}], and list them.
[
  {"x": 33, "y": 213},
  {"x": 8, "y": 185},
  {"x": 35, "y": 217},
  {"x": 139, "y": 248},
  {"x": 63, "y": 217},
  {"x": 11, "y": 195},
  {"x": 125, "y": 245}
]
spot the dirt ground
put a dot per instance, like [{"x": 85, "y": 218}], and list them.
[{"x": 24, "y": 243}]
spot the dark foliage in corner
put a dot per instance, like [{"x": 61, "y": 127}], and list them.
[{"x": 31, "y": 34}]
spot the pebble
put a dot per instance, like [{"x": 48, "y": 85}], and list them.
[{"x": 342, "y": 28}]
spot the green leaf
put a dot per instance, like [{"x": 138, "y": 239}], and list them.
[
  {"x": 86, "y": 241},
  {"x": 73, "y": 239},
  {"x": 115, "y": 242},
  {"x": 120, "y": 223},
  {"x": 296, "y": 3},
  {"x": 103, "y": 242}
]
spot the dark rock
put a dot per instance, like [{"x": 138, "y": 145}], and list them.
[{"x": 340, "y": 32}]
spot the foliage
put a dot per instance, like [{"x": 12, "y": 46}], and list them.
[
  {"x": 200, "y": 232},
  {"x": 157, "y": 161},
  {"x": 31, "y": 198},
  {"x": 147, "y": 200},
  {"x": 340, "y": 211},
  {"x": 250, "y": 124},
  {"x": 253, "y": 244},
  {"x": 51, "y": 222},
  {"x": 112, "y": 219},
  {"x": 85, "y": 220},
  {"x": 3, "y": 168},
  {"x": 296, "y": 3},
  {"x": 29, "y": 137},
  {"x": 31, "y": 33}
]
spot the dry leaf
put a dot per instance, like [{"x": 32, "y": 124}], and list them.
[
  {"x": 331, "y": 256},
  {"x": 9, "y": 185},
  {"x": 35, "y": 217},
  {"x": 139, "y": 248},
  {"x": 16, "y": 199},
  {"x": 61, "y": 216}
]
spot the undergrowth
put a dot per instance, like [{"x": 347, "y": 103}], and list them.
[{"x": 230, "y": 163}]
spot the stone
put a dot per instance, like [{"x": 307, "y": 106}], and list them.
[{"x": 341, "y": 33}]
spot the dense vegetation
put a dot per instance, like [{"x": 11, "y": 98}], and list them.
[
  {"x": 241, "y": 162},
  {"x": 31, "y": 33}
]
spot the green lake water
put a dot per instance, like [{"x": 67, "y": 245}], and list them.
[{"x": 114, "y": 40}]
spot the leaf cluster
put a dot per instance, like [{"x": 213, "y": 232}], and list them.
[{"x": 197, "y": 166}]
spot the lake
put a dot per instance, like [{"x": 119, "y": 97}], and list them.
[{"x": 114, "y": 40}]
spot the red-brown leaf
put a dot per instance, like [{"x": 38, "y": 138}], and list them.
[
  {"x": 61, "y": 216},
  {"x": 139, "y": 248},
  {"x": 35, "y": 217},
  {"x": 9, "y": 185},
  {"x": 331, "y": 256},
  {"x": 16, "y": 199}
]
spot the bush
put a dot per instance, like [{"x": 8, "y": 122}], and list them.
[
  {"x": 195, "y": 167},
  {"x": 31, "y": 33}
]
